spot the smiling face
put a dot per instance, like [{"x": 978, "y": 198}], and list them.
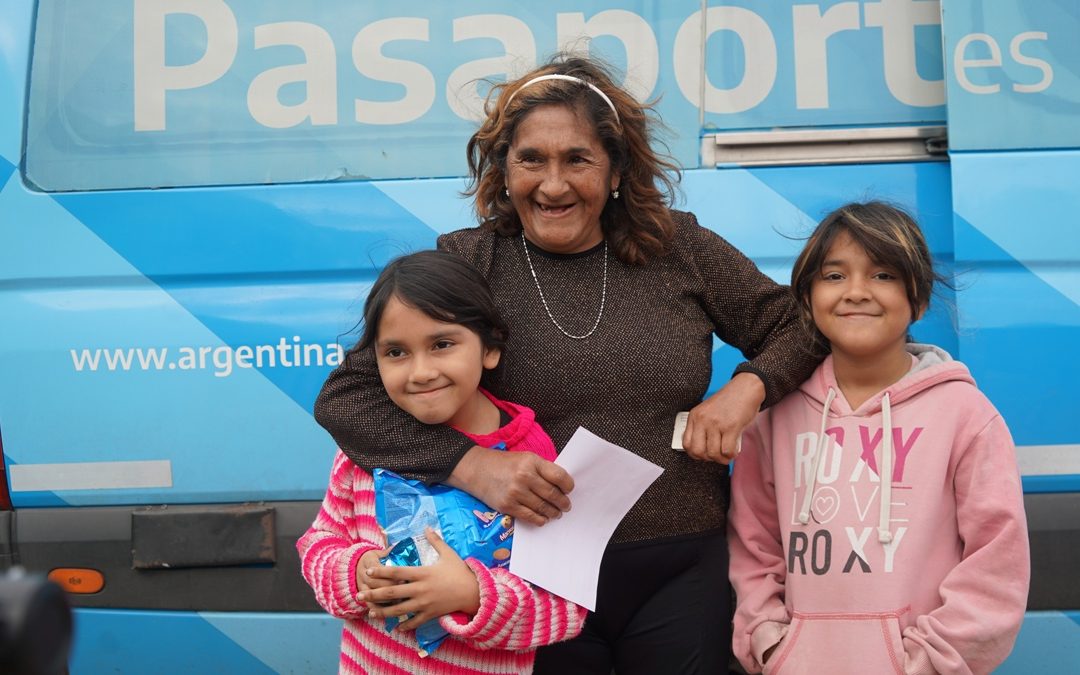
[
  {"x": 861, "y": 306},
  {"x": 559, "y": 177},
  {"x": 431, "y": 369}
]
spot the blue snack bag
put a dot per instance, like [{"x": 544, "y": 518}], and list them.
[
  {"x": 405, "y": 508},
  {"x": 430, "y": 634}
]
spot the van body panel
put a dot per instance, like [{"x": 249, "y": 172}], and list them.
[
  {"x": 195, "y": 199},
  {"x": 224, "y": 643}
]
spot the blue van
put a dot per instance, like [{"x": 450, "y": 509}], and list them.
[{"x": 195, "y": 196}]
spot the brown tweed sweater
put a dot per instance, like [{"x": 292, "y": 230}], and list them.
[{"x": 649, "y": 358}]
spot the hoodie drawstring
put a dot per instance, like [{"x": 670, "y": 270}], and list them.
[
  {"x": 885, "y": 512},
  {"x": 885, "y": 507},
  {"x": 804, "y": 512}
]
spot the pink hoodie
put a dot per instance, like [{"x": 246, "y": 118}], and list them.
[{"x": 927, "y": 573}]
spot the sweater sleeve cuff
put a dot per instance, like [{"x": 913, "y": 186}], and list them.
[
  {"x": 346, "y": 589},
  {"x": 917, "y": 660},
  {"x": 767, "y": 634},
  {"x": 461, "y": 624},
  {"x": 747, "y": 367},
  {"x": 441, "y": 477}
]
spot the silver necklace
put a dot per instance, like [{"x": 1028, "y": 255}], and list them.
[{"x": 543, "y": 300}]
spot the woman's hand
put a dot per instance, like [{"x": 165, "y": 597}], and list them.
[
  {"x": 519, "y": 484},
  {"x": 714, "y": 426},
  {"x": 425, "y": 592}
]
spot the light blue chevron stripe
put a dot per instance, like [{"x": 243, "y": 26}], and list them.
[
  {"x": 749, "y": 213},
  {"x": 767, "y": 213},
  {"x": 14, "y": 58},
  {"x": 1047, "y": 644},
  {"x": 285, "y": 643},
  {"x": 136, "y": 642},
  {"x": 1026, "y": 203},
  {"x": 117, "y": 416},
  {"x": 437, "y": 203}
]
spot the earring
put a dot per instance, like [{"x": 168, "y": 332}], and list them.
[{"x": 615, "y": 194}]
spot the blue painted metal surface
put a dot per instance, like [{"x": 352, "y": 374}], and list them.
[
  {"x": 244, "y": 290},
  {"x": 233, "y": 92},
  {"x": 128, "y": 642},
  {"x": 1012, "y": 85},
  {"x": 1047, "y": 644},
  {"x": 769, "y": 211},
  {"x": 1013, "y": 74}
]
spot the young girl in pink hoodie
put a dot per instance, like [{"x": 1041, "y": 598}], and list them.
[
  {"x": 877, "y": 519},
  {"x": 434, "y": 328}
]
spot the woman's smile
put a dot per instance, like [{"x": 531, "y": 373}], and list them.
[{"x": 555, "y": 210}]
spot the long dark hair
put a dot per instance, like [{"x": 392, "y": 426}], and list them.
[{"x": 441, "y": 285}]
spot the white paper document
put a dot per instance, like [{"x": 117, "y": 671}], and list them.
[{"x": 564, "y": 556}]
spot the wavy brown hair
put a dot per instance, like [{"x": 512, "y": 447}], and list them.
[
  {"x": 889, "y": 235},
  {"x": 638, "y": 225}
]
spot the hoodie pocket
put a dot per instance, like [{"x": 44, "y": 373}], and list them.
[{"x": 840, "y": 644}]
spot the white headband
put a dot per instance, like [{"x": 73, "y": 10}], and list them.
[{"x": 568, "y": 78}]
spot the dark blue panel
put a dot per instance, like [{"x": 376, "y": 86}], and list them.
[{"x": 6, "y": 169}]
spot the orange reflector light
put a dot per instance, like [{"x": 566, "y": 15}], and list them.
[{"x": 78, "y": 579}]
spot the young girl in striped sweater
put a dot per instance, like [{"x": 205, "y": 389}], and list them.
[{"x": 433, "y": 327}]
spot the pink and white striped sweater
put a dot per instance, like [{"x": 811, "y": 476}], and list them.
[{"x": 514, "y": 617}]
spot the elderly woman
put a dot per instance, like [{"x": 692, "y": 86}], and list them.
[{"x": 612, "y": 299}]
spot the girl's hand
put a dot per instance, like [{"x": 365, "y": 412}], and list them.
[
  {"x": 425, "y": 592},
  {"x": 714, "y": 426},
  {"x": 370, "y": 560}
]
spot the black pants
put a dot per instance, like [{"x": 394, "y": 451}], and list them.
[{"x": 661, "y": 607}]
